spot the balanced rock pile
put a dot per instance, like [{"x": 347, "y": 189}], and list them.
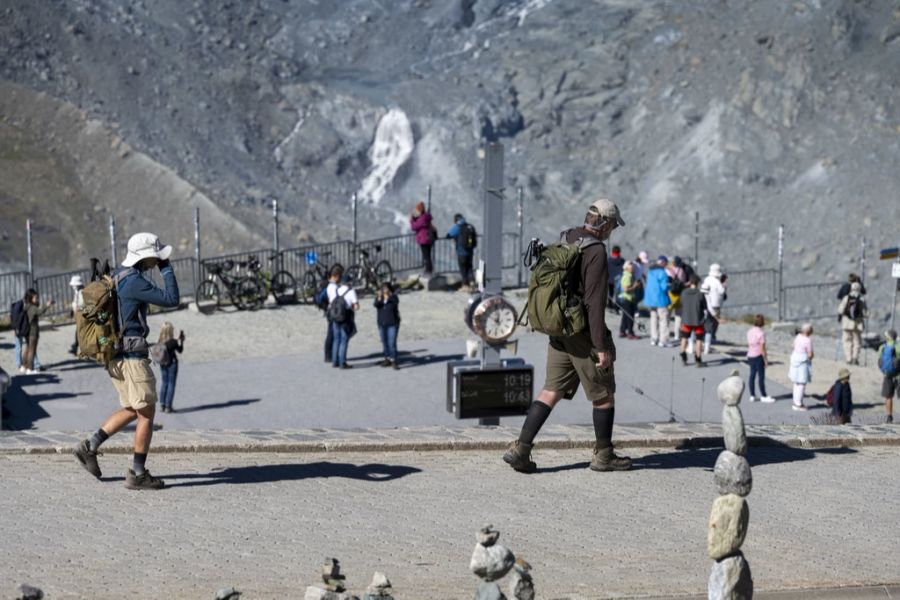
[
  {"x": 379, "y": 589},
  {"x": 334, "y": 584},
  {"x": 730, "y": 578},
  {"x": 492, "y": 561}
]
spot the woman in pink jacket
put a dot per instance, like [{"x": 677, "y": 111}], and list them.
[{"x": 420, "y": 221}]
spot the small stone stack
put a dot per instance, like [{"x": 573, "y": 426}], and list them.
[
  {"x": 379, "y": 589},
  {"x": 492, "y": 561},
  {"x": 730, "y": 578},
  {"x": 28, "y": 592},
  {"x": 334, "y": 584},
  {"x": 228, "y": 593}
]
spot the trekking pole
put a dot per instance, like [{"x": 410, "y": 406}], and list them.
[
  {"x": 702, "y": 391},
  {"x": 28, "y": 241},
  {"x": 672, "y": 393},
  {"x": 112, "y": 240}
]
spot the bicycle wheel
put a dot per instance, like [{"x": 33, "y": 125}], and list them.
[
  {"x": 246, "y": 293},
  {"x": 207, "y": 295},
  {"x": 384, "y": 272},
  {"x": 357, "y": 276},
  {"x": 309, "y": 287},
  {"x": 284, "y": 288}
]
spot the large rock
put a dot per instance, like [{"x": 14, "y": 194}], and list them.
[
  {"x": 728, "y": 523},
  {"x": 733, "y": 430},
  {"x": 229, "y": 593},
  {"x": 732, "y": 474},
  {"x": 489, "y": 591},
  {"x": 731, "y": 390},
  {"x": 491, "y": 563},
  {"x": 730, "y": 579},
  {"x": 379, "y": 589},
  {"x": 522, "y": 586},
  {"x": 28, "y": 592}
]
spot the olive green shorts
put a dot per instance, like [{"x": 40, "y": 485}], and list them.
[
  {"x": 572, "y": 360},
  {"x": 134, "y": 381}
]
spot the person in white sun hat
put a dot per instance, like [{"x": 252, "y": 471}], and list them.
[{"x": 130, "y": 368}]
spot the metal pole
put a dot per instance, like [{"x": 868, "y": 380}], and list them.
[
  {"x": 112, "y": 240},
  {"x": 30, "y": 251},
  {"x": 275, "y": 244},
  {"x": 780, "y": 272},
  {"x": 696, "y": 240},
  {"x": 355, "y": 204},
  {"x": 862, "y": 261},
  {"x": 196, "y": 250},
  {"x": 520, "y": 212},
  {"x": 492, "y": 251},
  {"x": 429, "y": 198},
  {"x": 896, "y": 287}
]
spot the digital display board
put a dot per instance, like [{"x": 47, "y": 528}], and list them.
[{"x": 501, "y": 392}]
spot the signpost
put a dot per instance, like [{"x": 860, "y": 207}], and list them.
[{"x": 886, "y": 254}]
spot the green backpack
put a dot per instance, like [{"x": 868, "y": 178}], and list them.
[{"x": 554, "y": 305}]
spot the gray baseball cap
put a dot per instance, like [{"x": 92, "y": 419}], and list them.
[{"x": 608, "y": 209}]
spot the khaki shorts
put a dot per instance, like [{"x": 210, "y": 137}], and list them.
[
  {"x": 135, "y": 382},
  {"x": 571, "y": 361}
]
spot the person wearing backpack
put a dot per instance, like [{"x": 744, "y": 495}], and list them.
[
  {"x": 420, "y": 223},
  {"x": 853, "y": 312},
  {"x": 466, "y": 240},
  {"x": 168, "y": 345},
  {"x": 129, "y": 369},
  {"x": 321, "y": 300},
  {"x": 889, "y": 365},
  {"x": 30, "y": 330},
  {"x": 387, "y": 307},
  {"x": 585, "y": 357},
  {"x": 842, "y": 397},
  {"x": 19, "y": 321},
  {"x": 342, "y": 303}
]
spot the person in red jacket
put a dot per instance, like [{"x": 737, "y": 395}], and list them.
[{"x": 420, "y": 222}]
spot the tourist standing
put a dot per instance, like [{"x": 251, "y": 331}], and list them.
[
  {"x": 845, "y": 287},
  {"x": 342, "y": 305},
  {"x": 387, "y": 307},
  {"x": 842, "y": 397},
  {"x": 656, "y": 298},
  {"x": 586, "y": 358},
  {"x": 77, "y": 285},
  {"x": 616, "y": 269},
  {"x": 129, "y": 369},
  {"x": 714, "y": 290},
  {"x": 758, "y": 360},
  {"x": 420, "y": 222},
  {"x": 693, "y": 312},
  {"x": 800, "y": 372},
  {"x": 889, "y": 365},
  {"x": 627, "y": 301},
  {"x": 853, "y": 312},
  {"x": 466, "y": 239},
  {"x": 168, "y": 368},
  {"x": 33, "y": 313}
]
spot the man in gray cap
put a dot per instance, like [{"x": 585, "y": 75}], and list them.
[
  {"x": 129, "y": 369},
  {"x": 586, "y": 357}
]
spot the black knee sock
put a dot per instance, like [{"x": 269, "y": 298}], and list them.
[
  {"x": 139, "y": 461},
  {"x": 603, "y": 426},
  {"x": 98, "y": 438},
  {"x": 537, "y": 415}
]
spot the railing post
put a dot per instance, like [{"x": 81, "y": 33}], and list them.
[
  {"x": 520, "y": 211},
  {"x": 780, "y": 272},
  {"x": 862, "y": 261},
  {"x": 696, "y": 240},
  {"x": 429, "y": 198},
  {"x": 355, "y": 211},
  {"x": 28, "y": 241},
  {"x": 112, "y": 240},
  {"x": 196, "y": 250},
  {"x": 275, "y": 242}
]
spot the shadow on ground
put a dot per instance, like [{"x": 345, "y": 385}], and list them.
[
  {"x": 22, "y": 409},
  {"x": 215, "y": 405},
  {"x": 292, "y": 472}
]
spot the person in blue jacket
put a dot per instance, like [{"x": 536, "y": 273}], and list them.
[
  {"x": 656, "y": 298},
  {"x": 129, "y": 369},
  {"x": 466, "y": 240}
]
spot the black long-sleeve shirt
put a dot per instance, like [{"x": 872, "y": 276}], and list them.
[{"x": 594, "y": 282}]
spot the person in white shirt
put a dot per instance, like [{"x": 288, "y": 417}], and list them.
[
  {"x": 714, "y": 290},
  {"x": 343, "y": 321}
]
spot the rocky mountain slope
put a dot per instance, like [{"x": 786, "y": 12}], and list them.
[{"x": 752, "y": 114}]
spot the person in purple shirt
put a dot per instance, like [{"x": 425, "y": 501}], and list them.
[{"x": 420, "y": 222}]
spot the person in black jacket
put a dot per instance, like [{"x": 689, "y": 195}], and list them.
[
  {"x": 845, "y": 287},
  {"x": 693, "y": 311},
  {"x": 387, "y": 307},
  {"x": 842, "y": 397}
]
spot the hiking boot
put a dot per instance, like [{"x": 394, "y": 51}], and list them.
[
  {"x": 698, "y": 361},
  {"x": 684, "y": 358},
  {"x": 144, "y": 481},
  {"x": 889, "y": 419},
  {"x": 605, "y": 459},
  {"x": 395, "y": 365},
  {"x": 87, "y": 458},
  {"x": 519, "y": 457}
]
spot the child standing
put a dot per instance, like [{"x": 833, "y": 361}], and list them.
[
  {"x": 169, "y": 370},
  {"x": 387, "y": 306},
  {"x": 842, "y": 397},
  {"x": 758, "y": 359}
]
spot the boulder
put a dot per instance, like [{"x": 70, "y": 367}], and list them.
[
  {"x": 228, "y": 594},
  {"x": 731, "y": 579},
  {"x": 728, "y": 523},
  {"x": 731, "y": 390},
  {"x": 733, "y": 430},
  {"x": 489, "y": 591},
  {"x": 492, "y": 562},
  {"x": 28, "y": 592},
  {"x": 732, "y": 474}
]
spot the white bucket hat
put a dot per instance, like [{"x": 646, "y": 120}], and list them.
[
  {"x": 145, "y": 245},
  {"x": 76, "y": 281},
  {"x": 715, "y": 270}
]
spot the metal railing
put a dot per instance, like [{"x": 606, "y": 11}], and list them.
[
  {"x": 12, "y": 288},
  {"x": 752, "y": 288},
  {"x": 809, "y": 301}
]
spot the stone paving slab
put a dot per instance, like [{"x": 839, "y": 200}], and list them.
[{"x": 647, "y": 435}]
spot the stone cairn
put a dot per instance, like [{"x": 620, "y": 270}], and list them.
[
  {"x": 730, "y": 578},
  {"x": 28, "y": 592},
  {"x": 334, "y": 589},
  {"x": 492, "y": 561}
]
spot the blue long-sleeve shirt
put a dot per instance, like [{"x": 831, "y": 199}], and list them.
[
  {"x": 136, "y": 292},
  {"x": 454, "y": 232}
]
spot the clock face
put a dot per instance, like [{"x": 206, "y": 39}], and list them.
[{"x": 495, "y": 319}]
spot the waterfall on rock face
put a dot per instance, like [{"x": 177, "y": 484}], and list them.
[{"x": 392, "y": 147}]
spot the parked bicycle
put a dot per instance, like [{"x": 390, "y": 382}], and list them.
[
  {"x": 243, "y": 291},
  {"x": 282, "y": 285},
  {"x": 368, "y": 276},
  {"x": 315, "y": 277}
]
